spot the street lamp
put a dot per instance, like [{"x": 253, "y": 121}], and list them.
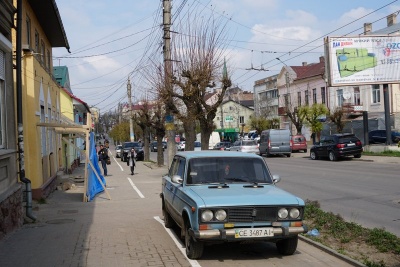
[{"x": 129, "y": 88}]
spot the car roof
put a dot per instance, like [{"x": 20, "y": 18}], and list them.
[{"x": 215, "y": 153}]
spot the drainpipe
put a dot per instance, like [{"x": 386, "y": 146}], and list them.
[{"x": 21, "y": 164}]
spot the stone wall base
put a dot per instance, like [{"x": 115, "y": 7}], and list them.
[{"x": 11, "y": 211}]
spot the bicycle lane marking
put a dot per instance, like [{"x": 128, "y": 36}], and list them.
[{"x": 177, "y": 242}]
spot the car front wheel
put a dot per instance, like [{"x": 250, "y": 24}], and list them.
[
  {"x": 287, "y": 246},
  {"x": 332, "y": 156},
  {"x": 313, "y": 155},
  {"x": 194, "y": 249}
]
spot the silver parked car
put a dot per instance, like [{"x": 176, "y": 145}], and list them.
[
  {"x": 249, "y": 146},
  {"x": 118, "y": 151}
]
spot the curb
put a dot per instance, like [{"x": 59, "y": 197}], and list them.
[{"x": 331, "y": 252}]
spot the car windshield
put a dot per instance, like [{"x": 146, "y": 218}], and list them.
[
  {"x": 132, "y": 144},
  {"x": 224, "y": 170}
]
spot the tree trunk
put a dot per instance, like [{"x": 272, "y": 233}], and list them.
[
  {"x": 146, "y": 137},
  {"x": 190, "y": 134}
]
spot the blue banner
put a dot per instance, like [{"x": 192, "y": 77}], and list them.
[{"x": 94, "y": 186}]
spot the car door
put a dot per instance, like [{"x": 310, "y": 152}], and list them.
[
  {"x": 169, "y": 187},
  {"x": 176, "y": 189},
  {"x": 322, "y": 147}
]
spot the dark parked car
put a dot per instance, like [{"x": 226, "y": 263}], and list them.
[
  {"x": 217, "y": 196},
  {"x": 222, "y": 145},
  {"x": 379, "y": 136},
  {"x": 126, "y": 147},
  {"x": 153, "y": 146},
  {"x": 336, "y": 146}
]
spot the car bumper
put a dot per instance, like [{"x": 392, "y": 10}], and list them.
[
  {"x": 229, "y": 234},
  {"x": 352, "y": 152}
]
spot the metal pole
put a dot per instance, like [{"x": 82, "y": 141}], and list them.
[
  {"x": 131, "y": 134},
  {"x": 169, "y": 118},
  {"x": 387, "y": 114}
]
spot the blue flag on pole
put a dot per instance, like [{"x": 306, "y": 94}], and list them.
[{"x": 94, "y": 186}]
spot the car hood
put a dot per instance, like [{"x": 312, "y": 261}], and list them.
[{"x": 239, "y": 195}]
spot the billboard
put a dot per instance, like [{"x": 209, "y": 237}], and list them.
[{"x": 366, "y": 59}]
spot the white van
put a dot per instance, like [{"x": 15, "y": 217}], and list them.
[{"x": 275, "y": 142}]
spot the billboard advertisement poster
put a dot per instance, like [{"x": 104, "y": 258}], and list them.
[{"x": 365, "y": 59}]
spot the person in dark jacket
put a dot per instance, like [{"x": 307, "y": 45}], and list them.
[
  {"x": 103, "y": 157},
  {"x": 131, "y": 160}
]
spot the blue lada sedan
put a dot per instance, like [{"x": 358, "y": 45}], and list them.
[{"x": 215, "y": 197}]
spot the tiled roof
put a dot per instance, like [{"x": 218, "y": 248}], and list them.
[{"x": 310, "y": 70}]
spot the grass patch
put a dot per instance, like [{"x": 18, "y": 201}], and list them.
[
  {"x": 350, "y": 238},
  {"x": 387, "y": 153}
]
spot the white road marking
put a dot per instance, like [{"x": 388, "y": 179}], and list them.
[
  {"x": 178, "y": 242},
  {"x": 116, "y": 161},
  {"x": 135, "y": 188}
]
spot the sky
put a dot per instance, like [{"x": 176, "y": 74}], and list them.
[{"x": 113, "y": 40}]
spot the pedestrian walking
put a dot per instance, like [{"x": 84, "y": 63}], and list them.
[
  {"x": 131, "y": 160},
  {"x": 103, "y": 157}
]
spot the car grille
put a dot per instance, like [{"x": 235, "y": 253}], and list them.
[{"x": 252, "y": 214}]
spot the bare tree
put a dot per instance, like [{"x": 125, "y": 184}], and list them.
[{"x": 198, "y": 52}]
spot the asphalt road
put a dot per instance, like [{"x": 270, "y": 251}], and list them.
[{"x": 361, "y": 191}]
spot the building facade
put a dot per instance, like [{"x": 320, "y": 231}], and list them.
[
  {"x": 42, "y": 29},
  {"x": 11, "y": 208}
]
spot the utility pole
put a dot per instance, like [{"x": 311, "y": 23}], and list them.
[
  {"x": 169, "y": 118},
  {"x": 129, "y": 88}
]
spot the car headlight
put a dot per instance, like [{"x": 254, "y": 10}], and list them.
[
  {"x": 294, "y": 213},
  {"x": 283, "y": 213},
  {"x": 220, "y": 215},
  {"x": 207, "y": 215}
]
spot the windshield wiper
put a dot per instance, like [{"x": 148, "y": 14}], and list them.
[
  {"x": 218, "y": 185},
  {"x": 236, "y": 179}
]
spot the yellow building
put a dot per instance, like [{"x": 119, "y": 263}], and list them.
[{"x": 42, "y": 29}]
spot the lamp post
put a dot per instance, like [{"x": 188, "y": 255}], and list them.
[{"x": 129, "y": 88}]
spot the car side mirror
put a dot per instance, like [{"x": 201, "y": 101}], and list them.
[
  {"x": 177, "y": 179},
  {"x": 276, "y": 178}
]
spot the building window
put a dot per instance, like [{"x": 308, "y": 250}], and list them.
[
  {"x": 48, "y": 60},
  {"x": 314, "y": 95},
  {"x": 272, "y": 94},
  {"x": 42, "y": 53},
  {"x": 241, "y": 119},
  {"x": 28, "y": 31},
  {"x": 306, "y": 97},
  {"x": 376, "y": 93},
  {"x": 36, "y": 41},
  {"x": 43, "y": 131},
  {"x": 299, "y": 99},
  {"x": 357, "y": 99},
  {"x": 339, "y": 93},
  {"x": 2, "y": 99},
  {"x": 323, "y": 95}
]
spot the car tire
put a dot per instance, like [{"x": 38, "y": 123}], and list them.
[
  {"x": 194, "y": 249},
  {"x": 313, "y": 155},
  {"x": 357, "y": 156},
  {"x": 168, "y": 221},
  {"x": 287, "y": 246},
  {"x": 332, "y": 156}
]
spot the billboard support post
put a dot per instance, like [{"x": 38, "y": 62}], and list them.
[{"x": 387, "y": 114}]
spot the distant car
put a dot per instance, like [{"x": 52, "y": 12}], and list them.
[
  {"x": 164, "y": 144},
  {"x": 127, "y": 146},
  {"x": 180, "y": 146},
  {"x": 215, "y": 197},
  {"x": 275, "y": 142},
  {"x": 299, "y": 142},
  {"x": 222, "y": 146},
  {"x": 118, "y": 151},
  {"x": 379, "y": 136},
  {"x": 249, "y": 146},
  {"x": 197, "y": 146},
  {"x": 336, "y": 146},
  {"x": 153, "y": 146}
]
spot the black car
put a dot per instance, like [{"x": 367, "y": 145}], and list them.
[
  {"x": 153, "y": 146},
  {"x": 222, "y": 146},
  {"x": 127, "y": 146},
  {"x": 336, "y": 146},
  {"x": 379, "y": 136}
]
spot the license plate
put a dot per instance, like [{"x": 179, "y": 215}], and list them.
[
  {"x": 253, "y": 232},
  {"x": 351, "y": 144}
]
